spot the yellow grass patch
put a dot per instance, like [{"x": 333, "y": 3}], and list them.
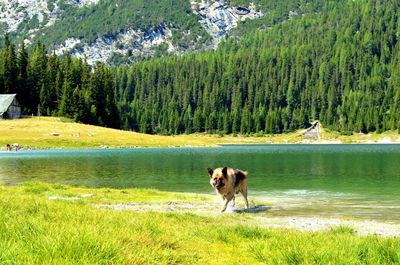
[{"x": 46, "y": 132}]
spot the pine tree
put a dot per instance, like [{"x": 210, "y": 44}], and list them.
[
  {"x": 23, "y": 92},
  {"x": 8, "y": 68},
  {"x": 36, "y": 74}
]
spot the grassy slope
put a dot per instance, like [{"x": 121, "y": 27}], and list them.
[
  {"x": 37, "y": 230},
  {"x": 36, "y": 132}
]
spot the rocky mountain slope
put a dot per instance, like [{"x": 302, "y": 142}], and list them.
[
  {"x": 38, "y": 13},
  {"x": 121, "y": 31}
]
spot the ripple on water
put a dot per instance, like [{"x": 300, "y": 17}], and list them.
[{"x": 326, "y": 204}]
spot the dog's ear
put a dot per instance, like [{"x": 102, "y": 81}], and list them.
[
  {"x": 225, "y": 171},
  {"x": 210, "y": 172}
]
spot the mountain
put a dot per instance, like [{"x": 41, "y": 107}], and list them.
[
  {"x": 332, "y": 61},
  {"x": 120, "y": 31}
]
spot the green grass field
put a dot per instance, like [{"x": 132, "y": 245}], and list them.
[
  {"x": 35, "y": 228},
  {"x": 56, "y": 224},
  {"x": 38, "y": 133}
]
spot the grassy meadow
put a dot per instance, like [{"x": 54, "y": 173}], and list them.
[
  {"x": 39, "y": 133},
  {"x": 56, "y": 224}
]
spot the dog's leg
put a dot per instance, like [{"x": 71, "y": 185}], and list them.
[
  {"x": 233, "y": 201},
  {"x": 226, "y": 201},
  {"x": 244, "y": 193},
  {"x": 228, "y": 198}
]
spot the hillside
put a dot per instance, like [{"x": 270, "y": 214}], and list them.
[
  {"x": 46, "y": 132},
  {"x": 125, "y": 30},
  {"x": 128, "y": 28},
  {"x": 93, "y": 28}
]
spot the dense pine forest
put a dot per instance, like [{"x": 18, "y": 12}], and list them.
[
  {"x": 339, "y": 65},
  {"x": 49, "y": 85}
]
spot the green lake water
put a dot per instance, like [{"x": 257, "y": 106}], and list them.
[{"x": 325, "y": 180}]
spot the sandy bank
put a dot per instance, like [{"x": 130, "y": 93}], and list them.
[{"x": 260, "y": 215}]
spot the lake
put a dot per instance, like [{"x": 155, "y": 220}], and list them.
[{"x": 326, "y": 180}]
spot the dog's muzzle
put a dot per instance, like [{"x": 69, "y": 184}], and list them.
[{"x": 218, "y": 184}]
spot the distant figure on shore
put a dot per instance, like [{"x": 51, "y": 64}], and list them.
[
  {"x": 15, "y": 146},
  {"x": 8, "y": 147}
]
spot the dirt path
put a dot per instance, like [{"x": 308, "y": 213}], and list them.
[{"x": 262, "y": 215}]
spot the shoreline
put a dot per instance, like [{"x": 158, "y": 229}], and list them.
[
  {"x": 259, "y": 216},
  {"x": 54, "y": 148},
  {"x": 54, "y": 133}
]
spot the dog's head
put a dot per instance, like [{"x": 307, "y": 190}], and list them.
[{"x": 218, "y": 177}]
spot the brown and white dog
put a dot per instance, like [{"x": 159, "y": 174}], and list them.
[{"x": 228, "y": 182}]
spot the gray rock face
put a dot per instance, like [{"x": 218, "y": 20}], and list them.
[
  {"x": 218, "y": 18},
  {"x": 14, "y": 12},
  {"x": 82, "y": 3},
  {"x": 127, "y": 42}
]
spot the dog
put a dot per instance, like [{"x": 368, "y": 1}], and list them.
[{"x": 227, "y": 182}]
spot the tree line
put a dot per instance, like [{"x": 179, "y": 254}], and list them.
[
  {"x": 339, "y": 66},
  {"x": 58, "y": 86}
]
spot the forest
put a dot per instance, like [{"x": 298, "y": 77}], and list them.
[
  {"x": 46, "y": 84},
  {"x": 339, "y": 66}
]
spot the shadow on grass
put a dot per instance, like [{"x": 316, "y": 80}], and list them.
[{"x": 255, "y": 209}]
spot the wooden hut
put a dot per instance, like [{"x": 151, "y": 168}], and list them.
[{"x": 9, "y": 107}]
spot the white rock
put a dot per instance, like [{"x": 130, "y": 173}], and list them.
[
  {"x": 82, "y": 3},
  {"x": 137, "y": 41},
  {"x": 218, "y": 19}
]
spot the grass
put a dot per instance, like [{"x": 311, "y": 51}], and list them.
[
  {"x": 37, "y": 230},
  {"x": 341, "y": 229},
  {"x": 37, "y": 133},
  {"x": 360, "y": 138}
]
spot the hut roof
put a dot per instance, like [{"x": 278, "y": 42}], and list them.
[{"x": 5, "y": 102}]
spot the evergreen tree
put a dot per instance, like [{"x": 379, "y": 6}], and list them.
[{"x": 23, "y": 91}]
